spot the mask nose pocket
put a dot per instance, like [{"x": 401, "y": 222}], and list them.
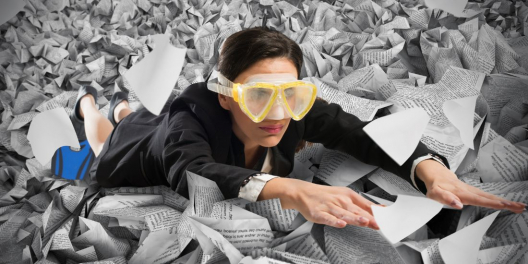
[{"x": 276, "y": 112}]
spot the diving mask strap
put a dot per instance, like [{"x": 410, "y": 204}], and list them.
[{"x": 224, "y": 86}]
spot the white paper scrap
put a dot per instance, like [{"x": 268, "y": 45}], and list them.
[
  {"x": 455, "y": 7},
  {"x": 10, "y": 8},
  {"x": 463, "y": 246},
  {"x": 49, "y": 131},
  {"x": 460, "y": 113},
  {"x": 154, "y": 77},
  {"x": 405, "y": 216},
  {"x": 398, "y": 134}
]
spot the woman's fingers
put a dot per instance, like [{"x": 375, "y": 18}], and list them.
[
  {"x": 445, "y": 187},
  {"x": 510, "y": 205},
  {"x": 361, "y": 201},
  {"x": 353, "y": 214},
  {"x": 463, "y": 197},
  {"x": 445, "y": 197},
  {"x": 329, "y": 220},
  {"x": 474, "y": 199},
  {"x": 334, "y": 206},
  {"x": 351, "y": 217}
]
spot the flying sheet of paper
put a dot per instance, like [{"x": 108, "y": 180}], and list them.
[
  {"x": 463, "y": 246},
  {"x": 49, "y": 131},
  {"x": 405, "y": 216},
  {"x": 455, "y": 7},
  {"x": 398, "y": 134},
  {"x": 154, "y": 77},
  {"x": 10, "y": 8},
  {"x": 460, "y": 112}
]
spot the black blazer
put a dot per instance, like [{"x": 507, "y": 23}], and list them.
[{"x": 196, "y": 135}]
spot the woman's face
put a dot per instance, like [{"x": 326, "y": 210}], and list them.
[{"x": 267, "y": 133}]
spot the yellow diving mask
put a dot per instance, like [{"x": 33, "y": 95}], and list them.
[{"x": 269, "y": 96}]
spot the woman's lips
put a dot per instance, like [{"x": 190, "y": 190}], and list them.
[{"x": 273, "y": 129}]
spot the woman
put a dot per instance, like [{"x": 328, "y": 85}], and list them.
[{"x": 232, "y": 137}]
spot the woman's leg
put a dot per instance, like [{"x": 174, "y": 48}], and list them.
[
  {"x": 121, "y": 111},
  {"x": 96, "y": 126}
]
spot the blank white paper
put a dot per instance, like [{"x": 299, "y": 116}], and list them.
[
  {"x": 405, "y": 216},
  {"x": 50, "y": 131},
  {"x": 455, "y": 7},
  {"x": 463, "y": 246},
  {"x": 460, "y": 113},
  {"x": 398, "y": 134},
  {"x": 154, "y": 77},
  {"x": 9, "y": 9}
]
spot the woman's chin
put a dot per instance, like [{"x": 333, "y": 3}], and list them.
[{"x": 271, "y": 141}]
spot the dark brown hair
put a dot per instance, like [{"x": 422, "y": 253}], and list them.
[{"x": 246, "y": 47}]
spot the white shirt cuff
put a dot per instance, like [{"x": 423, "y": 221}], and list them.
[
  {"x": 253, "y": 188},
  {"x": 418, "y": 160}
]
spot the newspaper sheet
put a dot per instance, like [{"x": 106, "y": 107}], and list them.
[{"x": 367, "y": 246}]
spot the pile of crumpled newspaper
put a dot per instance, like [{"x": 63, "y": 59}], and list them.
[{"x": 373, "y": 57}]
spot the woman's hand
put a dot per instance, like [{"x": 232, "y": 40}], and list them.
[
  {"x": 329, "y": 205},
  {"x": 445, "y": 187}
]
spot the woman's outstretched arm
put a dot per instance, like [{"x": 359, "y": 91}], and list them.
[
  {"x": 335, "y": 129},
  {"x": 329, "y": 205},
  {"x": 445, "y": 187}
]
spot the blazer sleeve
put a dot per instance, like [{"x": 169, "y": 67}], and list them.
[
  {"x": 329, "y": 124},
  {"x": 187, "y": 148}
]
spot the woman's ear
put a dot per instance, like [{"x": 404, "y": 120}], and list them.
[{"x": 224, "y": 103}]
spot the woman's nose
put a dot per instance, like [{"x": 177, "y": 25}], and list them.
[{"x": 276, "y": 112}]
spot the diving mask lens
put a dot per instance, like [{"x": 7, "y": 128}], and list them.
[
  {"x": 298, "y": 99},
  {"x": 258, "y": 99}
]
